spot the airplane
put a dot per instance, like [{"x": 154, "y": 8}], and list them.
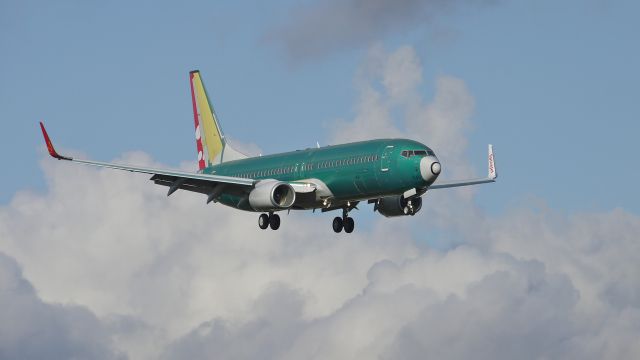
[{"x": 391, "y": 174}]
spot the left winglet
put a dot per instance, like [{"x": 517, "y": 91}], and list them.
[{"x": 52, "y": 150}]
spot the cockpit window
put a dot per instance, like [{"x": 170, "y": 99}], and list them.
[{"x": 410, "y": 153}]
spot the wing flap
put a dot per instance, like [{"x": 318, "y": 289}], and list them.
[{"x": 199, "y": 186}]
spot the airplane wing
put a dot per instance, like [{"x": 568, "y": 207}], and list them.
[
  {"x": 491, "y": 177},
  {"x": 212, "y": 185}
]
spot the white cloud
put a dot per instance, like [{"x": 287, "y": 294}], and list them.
[
  {"x": 391, "y": 104},
  {"x": 32, "y": 329},
  {"x": 152, "y": 276},
  {"x": 114, "y": 243}
]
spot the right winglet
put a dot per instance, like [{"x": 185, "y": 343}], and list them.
[
  {"x": 491, "y": 176},
  {"x": 52, "y": 150},
  {"x": 493, "y": 173}
]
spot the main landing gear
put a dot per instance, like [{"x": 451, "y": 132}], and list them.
[
  {"x": 269, "y": 220},
  {"x": 345, "y": 222}
]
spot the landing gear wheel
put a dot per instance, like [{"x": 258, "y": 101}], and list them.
[
  {"x": 349, "y": 224},
  {"x": 274, "y": 221},
  {"x": 337, "y": 224},
  {"x": 263, "y": 221}
]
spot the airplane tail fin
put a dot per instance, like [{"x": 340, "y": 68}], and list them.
[{"x": 211, "y": 144}]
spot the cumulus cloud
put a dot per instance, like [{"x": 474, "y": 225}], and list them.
[
  {"x": 277, "y": 319},
  {"x": 390, "y": 104},
  {"x": 322, "y": 27},
  {"x": 33, "y": 329},
  {"x": 117, "y": 245},
  {"x": 147, "y": 276}
]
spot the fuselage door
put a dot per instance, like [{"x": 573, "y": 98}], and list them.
[{"x": 385, "y": 159}]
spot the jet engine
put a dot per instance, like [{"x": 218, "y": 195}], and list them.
[
  {"x": 269, "y": 195},
  {"x": 397, "y": 205}
]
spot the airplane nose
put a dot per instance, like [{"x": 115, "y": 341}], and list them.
[{"x": 429, "y": 168}]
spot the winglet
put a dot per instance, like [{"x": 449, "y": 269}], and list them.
[
  {"x": 493, "y": 173},
  {"x": 52, "y": 150}
]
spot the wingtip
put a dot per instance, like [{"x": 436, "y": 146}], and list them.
[
  {"x": 50, "y": 148},
  {"x": 493, "y": 173}
]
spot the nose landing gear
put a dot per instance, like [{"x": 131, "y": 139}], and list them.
[{"x": 269, "y": 220}]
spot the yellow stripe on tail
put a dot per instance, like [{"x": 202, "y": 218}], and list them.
[
  {"x": 207, "y": 128},
  {"x": 210, "y": 141}
]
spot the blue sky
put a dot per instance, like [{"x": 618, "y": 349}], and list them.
[
  {"x": 106, "y": 266},
  {"x": 555, "y": 86}
]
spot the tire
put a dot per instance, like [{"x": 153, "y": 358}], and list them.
[
  {"x": 349, "y": 224},
  {"x": 263, "y": 221},
  {"x": 337, "y": 224},
  {"x": 274, "y": 221}
]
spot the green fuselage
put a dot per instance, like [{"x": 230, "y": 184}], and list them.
[{"x": 352, "y": 172}]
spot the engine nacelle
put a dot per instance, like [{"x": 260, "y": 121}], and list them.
[
  {"x": 271, "y": 195},
  {"x": 397, "y": 205}
]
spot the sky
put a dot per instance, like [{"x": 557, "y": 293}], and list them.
[{"x": 541, "y": 264}]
